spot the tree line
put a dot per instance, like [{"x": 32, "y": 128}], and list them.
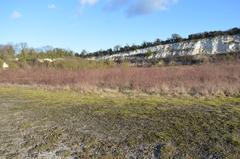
[
  {"x": 24, "y": 53},
  {"x": 174, "y": 39}
]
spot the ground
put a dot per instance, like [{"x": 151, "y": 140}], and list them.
[{"x": 38, "y": 123}]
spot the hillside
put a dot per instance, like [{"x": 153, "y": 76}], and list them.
[
  {"x": 207, "y": 43},
  {"x": 216, "y": 45}
]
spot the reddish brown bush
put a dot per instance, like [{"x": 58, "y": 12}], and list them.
[{"x": 207, "y": 79}]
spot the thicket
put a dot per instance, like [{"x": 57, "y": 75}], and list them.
[
  {"x": 220, "y": 78},
  {"x": 21, "y": 56}
]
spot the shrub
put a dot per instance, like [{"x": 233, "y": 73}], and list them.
[
  {"x": 219, "y": 78},
  {"x": 1, "y": 63}
]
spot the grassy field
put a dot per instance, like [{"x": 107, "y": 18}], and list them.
[{"x": 38, "y": 123}]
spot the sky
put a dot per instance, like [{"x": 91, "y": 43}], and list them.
[{"x": 101, "y": 24}]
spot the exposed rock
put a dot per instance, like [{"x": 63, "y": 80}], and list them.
[
  {"x": 216, "y": 45},
  {"x": 5, "y": 66}
]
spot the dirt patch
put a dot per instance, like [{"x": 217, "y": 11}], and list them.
[{"x": 38, "y": 128}]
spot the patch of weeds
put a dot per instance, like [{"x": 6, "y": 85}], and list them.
[
  {"x": 233, "y": 140},
  {"x": 63, "y": 153},
  {"x": 168, "y": 151},
  {"x": 162, "y": 136},
  {"x": 48, "y": 142},
  {"x": 25, "y": 125}
]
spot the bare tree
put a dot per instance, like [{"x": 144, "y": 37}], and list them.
[{"x": 7, "y": 52}]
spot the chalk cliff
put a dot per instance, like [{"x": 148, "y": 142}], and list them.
[{"x": 215, "y": 45}]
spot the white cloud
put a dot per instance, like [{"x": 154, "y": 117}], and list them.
[
  {"x": 52, "y": 6},
  {"x": 88, "y": 2},
  {"x": 16, "y": 14}
]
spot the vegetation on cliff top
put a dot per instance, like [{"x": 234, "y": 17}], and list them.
[{"x": 175, "y": 38}]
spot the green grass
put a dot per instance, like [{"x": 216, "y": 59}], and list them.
[
  {"x": 55, "y": 97},
  {"x": 128, "y": 105},
  {"x": 185, "y": 127}
]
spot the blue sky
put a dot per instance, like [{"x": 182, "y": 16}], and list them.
[{"x": 101, "y": 24}]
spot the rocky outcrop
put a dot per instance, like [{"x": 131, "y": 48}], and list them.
[
  {"x": 5, "y": 66},
  {"x": 209, "y": 46}
]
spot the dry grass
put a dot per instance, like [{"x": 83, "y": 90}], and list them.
[
  {"x": 207, "y": 79},
  {"x": 37, "y": 123}
]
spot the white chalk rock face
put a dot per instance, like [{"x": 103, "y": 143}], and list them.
[
  {"x": 216, "y": 45},
  {"x": 5, "y": 65}
]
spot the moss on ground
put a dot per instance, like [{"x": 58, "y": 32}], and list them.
[
  {"x": 56, "y": 97},
  {"x": 93, "y": 125}
]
